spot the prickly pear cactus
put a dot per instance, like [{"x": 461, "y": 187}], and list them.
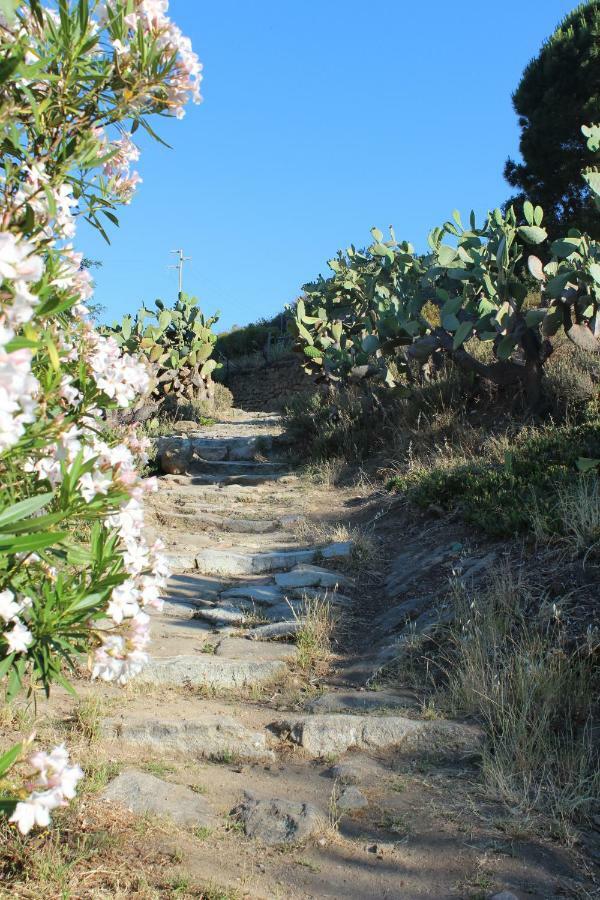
[{"x": 178, "y": 343}]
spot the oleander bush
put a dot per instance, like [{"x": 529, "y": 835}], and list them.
[{"x": 78, "y": 78}]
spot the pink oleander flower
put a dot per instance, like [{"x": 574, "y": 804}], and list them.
[{"x": 58, "y": 783}]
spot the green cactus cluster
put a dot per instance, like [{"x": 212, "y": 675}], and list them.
[
  {"x": 371, "y": 309},
  {"x": 178, "y": 342}
]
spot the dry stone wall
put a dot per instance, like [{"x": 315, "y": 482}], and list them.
[{"x": 267, "y": 387}]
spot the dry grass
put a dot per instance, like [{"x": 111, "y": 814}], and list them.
[
  {"x": 535, "y": 695},
  {"x": 313, "y": 639},
  {"x": 366, "y": 550},
  {"x": 578, "y": 511}
]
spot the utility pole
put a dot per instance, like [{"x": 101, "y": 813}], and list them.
[{"x": 179, "y": 266}]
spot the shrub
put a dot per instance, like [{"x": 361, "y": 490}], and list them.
[
  {"x": 76, "y": 576},
  {"x": 502, "y": 497}
]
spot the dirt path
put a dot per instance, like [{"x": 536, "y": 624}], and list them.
[{"x": 338, "y": 791}]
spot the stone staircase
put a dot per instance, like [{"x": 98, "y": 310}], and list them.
[{"x": 220, "y": 686}]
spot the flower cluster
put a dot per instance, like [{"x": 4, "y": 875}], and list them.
[{"x": 54, "y": 785}]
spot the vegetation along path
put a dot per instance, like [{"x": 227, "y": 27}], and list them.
[{"x": 260, "y": 753}]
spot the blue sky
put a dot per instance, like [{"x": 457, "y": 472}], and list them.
[{"x": 321, "y": 119}]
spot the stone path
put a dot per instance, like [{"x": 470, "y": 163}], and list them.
[{"x": 281, "y": 755}]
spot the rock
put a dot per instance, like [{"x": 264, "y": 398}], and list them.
[
  {"x": 328, "y": 596},
  {"x": 242, "y": 648},
  {"x": 185, "y": 426},
  {"x": 269, "y": 594},
  {"x": 210, "y": 672},
  {"x": 228, "y": 562},
  {"x": 208, "y": 449},
  {"x": 337, "y": 550},
  {"x": 174, "y": 458},
  {"x": 321, "y": 735},
  {"x": 144, "y": 794},
  {"x": 275, "y": 631},
  {"x": 221, "y": 616},
  {"x": 180, "y": 562},
  {"x": 310, "y": 576},
  {"x": 415, "y": 562},
  {"x": 207, "y": 735},
  {"x": 345, "y": 773},
  {"x": 363, "y": 701},
  {"x": 504, "y": 895},
  {"x": 351, "y": 798},
  {"x": 401, "y": 614},
  {"x": 277, "y": 822}
]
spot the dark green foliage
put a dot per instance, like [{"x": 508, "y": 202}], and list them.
[
  {"x": 252, "y": 338},
  {"x": 499, "y": 498},
  {"x": 558, "y": 93}
]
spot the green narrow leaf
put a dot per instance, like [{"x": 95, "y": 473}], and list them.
[
  {"x": 8, "y": 758},
  {"x": 24, "y": 508}
]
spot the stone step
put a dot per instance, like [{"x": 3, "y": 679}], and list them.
[
  {"x": 242, "y": 648},
  {"x": 363, "y": 701},
  {"x": 307, "y": 576},
  {"x": 144, "y": 794},
  {"x": 228, "y": 562},
  {"x": 320, "y": 735},
  {"x": 206, "y": 735},
  {"x": 209, "y": 672},
  {"x": 207, "y": 521},
  {"x": 264, "y": 594}
]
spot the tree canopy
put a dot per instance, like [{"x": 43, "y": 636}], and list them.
[{"x": 558, "y": 93}]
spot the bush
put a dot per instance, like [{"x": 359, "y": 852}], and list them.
[
  {"x": 76, "y": 575},
  {"x": 502, "y": 498},
  {"x": 252, "y": 339},
  {"x": 223, "y": 398}
]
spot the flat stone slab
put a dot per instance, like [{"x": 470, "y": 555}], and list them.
[
  {"x": 209, "y": 736},
  {"x": 242, "y": 648},
  {"x": 228, "y": 562},
  {"x": 210, "y": 672},
  {"x": 337, "y": 550},
  {"x": 268, "y": 594},
  {"x": 275, "y": 631},
  {"x": 363, "y": 701},
  {"x": 320, "y": 735},
  {"x": 181, "y": 562},
  {"x": 310, "y": 576},
  {"x": 221, "y": 616},
  {"x": 277, "y": 822},
  {"x": 145, "y": 794}
]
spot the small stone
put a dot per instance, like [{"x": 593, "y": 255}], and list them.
[
  {"x": 345, "y": 773},
  {"x": 277, "y": 822},
  {"x": 276, "y": 630},
  {"x": 350, "y": 799},
  {"x": 504, "y": 895},
  {"x": 337, "y": 550},
  {"x": 143, "y": 793}
]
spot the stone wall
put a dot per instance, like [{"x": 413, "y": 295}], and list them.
[{"x": 266, "y": 388}]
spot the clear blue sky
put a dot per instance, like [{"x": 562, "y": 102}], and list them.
[{"x": 321, "y": 119}]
